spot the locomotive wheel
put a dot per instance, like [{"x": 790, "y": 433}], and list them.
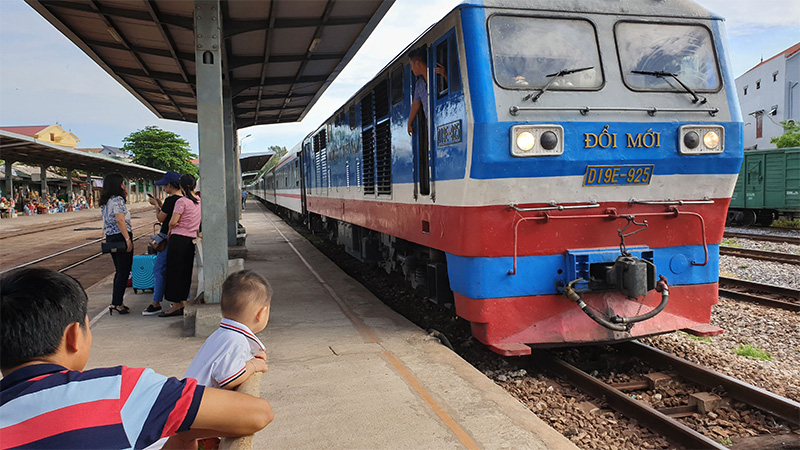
[{"x": 748, "y": 218}]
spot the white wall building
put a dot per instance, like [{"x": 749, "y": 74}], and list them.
[{"x": 768, "y": 94}]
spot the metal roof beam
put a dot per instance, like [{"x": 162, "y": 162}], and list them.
[
  {"x": 155, "y": 14},
  {"x": 112, "y": 26},
  {"x": 168, "y": 19},
  {"x": 242, "y": 61},
  {"x": 323, "y": 21},
  {"x": 156, "y": 76},
  {"x": 189, "y": 57},
  {"x": 235, "y": 27},
  {"x": 241, "y": 84}
]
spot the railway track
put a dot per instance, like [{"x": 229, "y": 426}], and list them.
[
  {"x": 74, "y": 260},
  {"x": 665, "y": 421},
  {"x": 779, "y": 296},
  {"x": 788, "y": 258},
  {"x": 764, "y": 237}
]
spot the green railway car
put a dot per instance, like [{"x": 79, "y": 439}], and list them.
[{"x": 768, "y": 187}]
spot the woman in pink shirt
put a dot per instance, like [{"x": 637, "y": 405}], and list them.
[{"x": 183, "y": 228}]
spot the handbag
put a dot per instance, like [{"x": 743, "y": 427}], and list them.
[
  {"x": 158, "y": 241},
  {"x": 113, "y": 247}
]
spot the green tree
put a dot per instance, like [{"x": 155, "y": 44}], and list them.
[
  {"x": 280, "y": 152},
  {"x": 790, "y": 137},
  {"x": 160, "y": 149}
]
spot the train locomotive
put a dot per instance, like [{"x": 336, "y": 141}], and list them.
[{"x": 569, "y": 184}]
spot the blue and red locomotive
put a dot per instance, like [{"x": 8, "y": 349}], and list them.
[{"x": 569, "y": 183}]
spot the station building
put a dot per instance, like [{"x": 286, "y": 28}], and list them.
[{"x": 768, "y": 94}]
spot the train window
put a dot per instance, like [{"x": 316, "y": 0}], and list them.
[
  {"x": 745, "y": 90},
  {"x": 758, "y": 84},
  {"x": 775, "y": 77},
  {"x": 397, "y": 85},
  {"x": 441, "y": 61},
  {"x": 455, "y": 73},
  {"x": 655, "y": 56},
  {"x": 565, "y": 57}
]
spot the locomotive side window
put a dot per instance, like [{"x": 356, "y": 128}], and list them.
[
  {"x": 441, "y": 61},
  {"x": 397, "y": 85},
  {"x": 654, "y": 57},
  {"x": 565, "y": 55}
]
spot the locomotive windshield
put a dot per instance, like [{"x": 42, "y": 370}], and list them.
[
  {"x": 529, "y": 52},
  {"x": 680, "y": 53}
]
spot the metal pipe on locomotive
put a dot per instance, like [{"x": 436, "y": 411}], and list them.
[{"x": 573, "y": 186}]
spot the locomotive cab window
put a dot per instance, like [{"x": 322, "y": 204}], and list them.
[
  {"x": 397, "y": 85},
  {"x": 565, "y": 57},
  {"x": 665, "y": 57},
  {"x": 441, "y": 62}
]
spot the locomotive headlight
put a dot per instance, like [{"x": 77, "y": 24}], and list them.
[
  {"x": 691, "y": 140},
  {"x": 549, "y": 140},
  {"x": 525, "y": 141},
  {"x": 711, "y": 139},
  {"x": 537, "y": 140},
  {"x": 691, "y": 143}
]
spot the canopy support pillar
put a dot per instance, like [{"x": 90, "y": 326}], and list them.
[
  {"x": 9, "y": 180},
  {"x": 210, "y": 125}
]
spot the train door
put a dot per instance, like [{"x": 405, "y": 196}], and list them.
[
  {"x": 301, "y": 173},
  {"x": 754, "y": 184},
  {"x": 421, "y": 144}
]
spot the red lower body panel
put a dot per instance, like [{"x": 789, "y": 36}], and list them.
[{"x": 508, "y": 325}]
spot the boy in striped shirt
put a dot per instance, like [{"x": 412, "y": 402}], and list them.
[{"x": 47, "y": 401}]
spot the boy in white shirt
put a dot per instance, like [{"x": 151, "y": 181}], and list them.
[{"x": 232, "y": 353}]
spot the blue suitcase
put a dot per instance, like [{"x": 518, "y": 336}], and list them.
[{"x": 142, "y": 272}]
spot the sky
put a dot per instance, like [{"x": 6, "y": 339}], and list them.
[{"x": 46, "y": 79}]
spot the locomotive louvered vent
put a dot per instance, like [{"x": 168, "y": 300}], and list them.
[
  {"x": 316, "y": 143},
  {"x": 366, "y": 110},
  {"x": 323, "y": 156},
  {"x": 381, "y": 94},
  {"x": 368, "y": 145},
  {"x": 383, "y": 158},
  {"x": 323, "y": 139}
]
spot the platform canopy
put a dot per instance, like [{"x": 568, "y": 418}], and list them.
[
  {"x": 278, "y": 56},
  {"x": 253, "y": 162},
  {"x": 28, "y": 150}
]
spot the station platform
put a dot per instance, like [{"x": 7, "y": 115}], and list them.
[
  {"x": 345, "y": 371},
  {"x": 22, "y": 224}
]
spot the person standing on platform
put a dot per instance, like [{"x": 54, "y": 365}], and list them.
[
  {"x": 244, "y": 198},
  {"x": 117, "y": 228},
  {"x": 163, "y": 210},
  {"x": 183, "y": 229}
]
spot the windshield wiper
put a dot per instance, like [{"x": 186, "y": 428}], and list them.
[
  {"x": 553, "y": 77},
  {"x": 669, "y": 74}
]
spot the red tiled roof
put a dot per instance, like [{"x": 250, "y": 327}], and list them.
[
  {"x": 25, "y": 131},
  {"x": 92, "y": 150},
  {"x": 195, "y": 161},
  {"x": 787, "y": 53}
]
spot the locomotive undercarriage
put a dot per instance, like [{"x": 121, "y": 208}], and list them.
[{"x": 424, "y": 268}]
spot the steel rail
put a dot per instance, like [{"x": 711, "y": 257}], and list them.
[
  {"x": 775, "y": 405},
  {"x": 772, "y": 303},
  {"x": 761, "y": 287},
  {"x": 643, "y": 413},
  {"x": 66, "y": 251},
  {"x": 92, "y": 257},
  {"x": 788, "y": 258},
  {"x": 764, "y": 237}
]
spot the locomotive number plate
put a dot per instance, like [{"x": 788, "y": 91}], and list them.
[{"x": 618, "y": 175}]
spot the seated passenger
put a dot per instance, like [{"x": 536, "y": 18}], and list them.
[{"x": 48, "y": 401}]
